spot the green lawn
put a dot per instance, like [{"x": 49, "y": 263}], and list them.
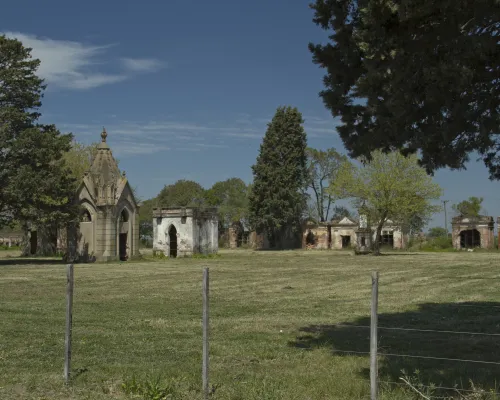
[{"x": 273, "y": 332}]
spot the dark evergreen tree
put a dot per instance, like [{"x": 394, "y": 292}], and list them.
[
  {"x": 277, "y": 198},
  {"x": 414, "y": 75},
  {"x": 35, "y": 184}
]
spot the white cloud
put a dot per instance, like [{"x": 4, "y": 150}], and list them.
[
  {"x": 132, "y": 137},
  {"x": 72, "y": 65},
  {"x": 142, "y": 64}
]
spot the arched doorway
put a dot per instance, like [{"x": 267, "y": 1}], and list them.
[
  {"x": 310, "y": 238},
  {"x": 123, "y": 233},
  {"x": 172, "y": 239},
  {"x": 470, "y": 238}
]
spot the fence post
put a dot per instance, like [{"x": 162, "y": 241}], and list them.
[
  {"x": 205, "y": 333},
  {"x": 69, "y": 321},
  {"x": 373, "y": 338}
]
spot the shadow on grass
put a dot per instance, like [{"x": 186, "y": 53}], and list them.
[
  {"x": 30, "y": 261},
  {"x": 477, "y": 317}
]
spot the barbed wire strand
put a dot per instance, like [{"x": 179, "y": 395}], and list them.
[
  {"x": 421, "y": 357},
  {"x": 418, "y": 330}
]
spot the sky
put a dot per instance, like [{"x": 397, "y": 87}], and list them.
[{"x": 185, "y": 88}]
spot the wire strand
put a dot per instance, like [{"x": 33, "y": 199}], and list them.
[
  {"x": 421, "y": 357},
  {"x": 419, "y": 330}
]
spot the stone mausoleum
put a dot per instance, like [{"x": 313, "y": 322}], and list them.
[
  {"x": 182, "y": 232},
  {"x": 472, "y": 232},
  {"x": 109, "y": 222},
  {"x": 344, "y": 234}
]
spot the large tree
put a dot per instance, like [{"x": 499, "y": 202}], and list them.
[
  {"x": 277, "y": 198},
  {"x": 35, "y": 184},
  {"x": 471, "y": 207},
  {"x": 323, "y": 167},
  {"x": 231, "y": 198},
  {"x": 183, "y": 193},
  {"x": 390, "y": 186},
  {"x": 414, "y": 75}
]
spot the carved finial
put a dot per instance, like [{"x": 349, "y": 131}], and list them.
[{"x": 104, "y": 135}]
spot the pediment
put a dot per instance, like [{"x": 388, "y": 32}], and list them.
[{"x": 346, "y": 221}]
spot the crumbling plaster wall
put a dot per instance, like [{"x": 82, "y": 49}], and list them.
[
  {"x": 185, "y": 235},
  {"x": 338, "y": 232}
]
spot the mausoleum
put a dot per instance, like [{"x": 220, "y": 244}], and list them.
[
  {"x": 182, "y": 232},
  {"x": 109, "y": 221}
]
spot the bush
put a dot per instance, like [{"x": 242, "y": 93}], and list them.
[{"x": 437, "y": 244}]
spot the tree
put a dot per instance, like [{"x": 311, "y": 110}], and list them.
[
  {"x": 35, "y": 183},
  {"x": 183, "y": 193},
  {"x": 391, "y": 186},
  {"x": 418, "y": 76},
  {"x": 470, "y": 208},
  {"x": 322, "y": 167},
  {"x": 79, "y": 159},
  {"x": 436, "y": 232},
  {"x": 340, "y": 212},
  {"x": 231, "y": 197},
  {"x": 277, "y": 199}
]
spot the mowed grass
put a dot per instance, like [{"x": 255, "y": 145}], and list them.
[{"x": 274, "y": 324}]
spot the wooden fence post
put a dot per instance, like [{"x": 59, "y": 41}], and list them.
[
  {"x": 69, "y": 321},
  {"x": 205, "y": 332},
  {"x": 373, "y": 338}
]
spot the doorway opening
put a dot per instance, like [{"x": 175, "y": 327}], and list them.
[
  {"x": 172, "y": 237},
  {"x": 123, "y": 246},
  {"x": 470, "y": 238},
  {"x": 346, "y": 241},
  {"x": 33, "y": 242}
]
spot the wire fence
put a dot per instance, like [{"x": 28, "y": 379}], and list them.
[{"x": 378, "y": 350}]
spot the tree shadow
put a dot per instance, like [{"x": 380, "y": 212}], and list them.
[
  {"x": 30, "y": 261},
  {"x": 477, "y": 317}
]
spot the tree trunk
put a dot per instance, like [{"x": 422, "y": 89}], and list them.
[{"x": 376, "y": 242}]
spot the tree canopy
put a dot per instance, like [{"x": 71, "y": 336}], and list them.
[
  {"x": 183, "y": 193},
  {"x": 231, "y": 198},
  {"x": 35, "y": 183},
  {"x": 437, "y": 231},
  {"x": 470, "y": 207},
  {"x": 415, "y": 76},
  {"x": 322, "y": 168},
  {"x": 277, "y": 199},
  {"x": 390, "y": 186}
]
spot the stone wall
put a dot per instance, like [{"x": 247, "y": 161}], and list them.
[
  {"x": 484, "y": 225},
  {"x": 196, "y": 231}
]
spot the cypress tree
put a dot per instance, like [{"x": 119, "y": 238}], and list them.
[{"x": 277, "y": 198}]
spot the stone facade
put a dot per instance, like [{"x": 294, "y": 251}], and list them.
[
  {"x": 109, "y": 220},
  {"x": 471, "y": 232},
  {"x": 182, "y": 232},
  {"x": 343, "y": 234}
]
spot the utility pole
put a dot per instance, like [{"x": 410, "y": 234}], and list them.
[{"x": 445, "y": 217}]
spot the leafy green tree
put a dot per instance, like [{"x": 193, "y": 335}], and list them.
[
  {"x": 79, "y": 159},
  {"x": 231, "y": 198},
  {"x": 392, "y": 187},
  {"x": 277, "y": 199},
  {"x": 470, "y": 208},
  {"x": 437, "y": 231},
  {"x": 183, "y": 193},
  {"x": 322, "y": 167},
  {"x": 35, "y": 183},
  {"x": 418, "y": 76}
]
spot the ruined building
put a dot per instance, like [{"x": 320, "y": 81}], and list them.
[
  {"x": 109, "y": 221},
  {"x": 182, "y": 232},
  {"x": 471, "y": 232},
  {"x": 343, "y": 234}
]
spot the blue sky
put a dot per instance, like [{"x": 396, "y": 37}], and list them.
[{"x": 185, "y": 87}]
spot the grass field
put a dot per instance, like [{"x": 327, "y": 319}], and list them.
[{"x": 274, "y": 318}]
